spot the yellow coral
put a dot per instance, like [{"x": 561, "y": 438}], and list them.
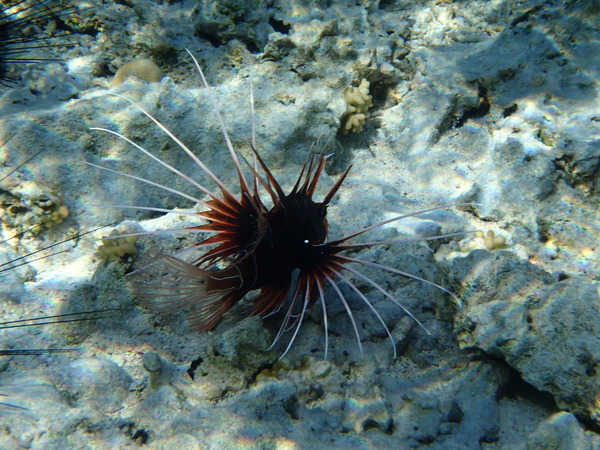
[
  {"x": 491, "y": 241},
  {"x": 58, "y": 215},
  {"x": 359, "y": 101},
  {"x": 144, "y": 69},
  {"x": 283, "y": 365},
  {"x": 113, "y": 248}
]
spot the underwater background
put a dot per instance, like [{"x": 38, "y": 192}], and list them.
[{"x": 492, "y": 103}]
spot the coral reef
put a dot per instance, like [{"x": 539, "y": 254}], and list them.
[{"x": 488, "y": 102}]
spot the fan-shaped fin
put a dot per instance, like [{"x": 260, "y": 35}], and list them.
[{"x": 169, "y": 284}]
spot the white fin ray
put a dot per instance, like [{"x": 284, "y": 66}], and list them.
[
  {"x": 143, "y": 180},
  {"x": 181, "y": 145},
  {"x": 370, "y": 305},
  {"x": 158, "y": 160},
  {"x": 293, "y": 338},
  {"x": 348, "y": 310},
  {"x": 403, "y": 216},
  {"x": 244, "y": 184},
  {"x": 325, "y": 323}
]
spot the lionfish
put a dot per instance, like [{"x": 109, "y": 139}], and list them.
[{"x": 280, "y": 251}]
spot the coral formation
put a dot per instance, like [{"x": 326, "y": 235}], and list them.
[
  {"x": 114, "y": 248},
  {"x": 144, "y": 69},
  {"x": 28, "y": 207},
  {"x": 523, "y": 315},
  {"x": 493, "y": 242},
  {"x": 359, "y": 101},
  {"x": 218, "y": 22}
]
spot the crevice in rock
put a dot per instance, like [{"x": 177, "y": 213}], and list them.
[
  {"x": 479, "y": 110},
  {"x": 515, "y": 387}
]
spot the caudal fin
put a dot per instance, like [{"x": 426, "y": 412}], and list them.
[{"x": 169, "y": 284}]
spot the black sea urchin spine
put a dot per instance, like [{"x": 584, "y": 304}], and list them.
[{"x": 21, "y": 24}]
